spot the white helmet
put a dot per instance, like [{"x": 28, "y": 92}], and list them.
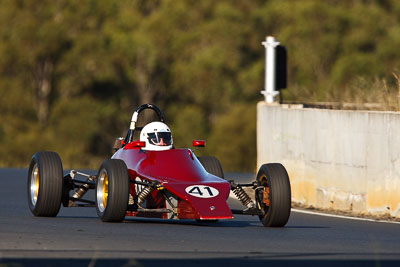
[{"x": 157, "y": 136}]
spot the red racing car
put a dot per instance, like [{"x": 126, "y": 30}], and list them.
[{"x": 149, "y": 177}]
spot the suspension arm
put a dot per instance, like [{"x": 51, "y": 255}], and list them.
[
  {"x": 252, "y": 211},
  {"x": 247, "y": 185},
  {"x": 92, "y": 184},
  {"x": 73, "y": 173},
  {"x": 142, "y": 183},
  {"x": 72, "y": 203},
  {"x": 71, "y": 183},
  {"x": 234, "y": 185},
  {"x": 242, "y": 196},
  {"x": 83, "y": 205},
  {"x": 82, "y": 200},
  {"x": 155, "y": 210}
]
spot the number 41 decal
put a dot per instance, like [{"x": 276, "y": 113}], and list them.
[{"x": 202, "y": 191}]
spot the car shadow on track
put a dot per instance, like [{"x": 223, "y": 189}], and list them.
[
  {"x": 225, "y": 223},
  {"x": 306, "y": 227},
  {"x": 78, "y": 217}
]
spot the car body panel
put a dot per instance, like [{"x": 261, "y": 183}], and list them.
[{"x": 200, "y": 194}]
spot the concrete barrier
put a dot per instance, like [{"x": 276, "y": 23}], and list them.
[{"x": 336, "y": 159}]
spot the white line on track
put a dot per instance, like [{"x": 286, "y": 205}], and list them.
[
  {"x": 231, "y": 195},
  {"x": 342, "y": 217}
]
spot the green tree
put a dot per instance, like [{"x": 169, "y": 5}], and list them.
[{"x": 72, "y": 72}]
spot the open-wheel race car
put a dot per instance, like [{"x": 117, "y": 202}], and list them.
[{"x": 149, "y": 177}]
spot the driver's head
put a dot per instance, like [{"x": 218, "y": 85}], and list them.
[{"x": 157, "y": 136}]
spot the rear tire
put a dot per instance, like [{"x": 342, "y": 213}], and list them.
[
  {"x": 45, "y": 184},
  {"x": 212, "y": 165},
  {"x": 276, "y": 207},
  {"x": 112, "y": 190}
]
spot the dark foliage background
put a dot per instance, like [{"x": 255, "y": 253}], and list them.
[{"x": 72, "y": 72}]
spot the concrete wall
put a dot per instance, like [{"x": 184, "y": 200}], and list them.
[{"x": 344, "y": 160}]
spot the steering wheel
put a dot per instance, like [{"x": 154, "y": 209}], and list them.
[{"x": 133, "y": 127}]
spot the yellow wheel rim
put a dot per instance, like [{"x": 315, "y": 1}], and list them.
[{"x": 102, "y": 191}]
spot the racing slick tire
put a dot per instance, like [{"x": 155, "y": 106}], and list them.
[
  {"x": 45, "y": 184},
  {"x": 112, "y": 190},
  {"x": 275, "y": 200},
  {"x": 212, "y": 165}
]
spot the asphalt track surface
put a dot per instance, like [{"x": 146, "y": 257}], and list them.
[{"x": 77, "y": 237}]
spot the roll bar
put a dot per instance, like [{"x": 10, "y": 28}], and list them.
[{"x": 135, "y": 115}]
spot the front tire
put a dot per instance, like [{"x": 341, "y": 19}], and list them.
[
  {"x": 275, "y": 200},
  {"x": 212, "y": 165},
  {"x": 45, "y": 183},
  {"x": 112, "y": 190}
]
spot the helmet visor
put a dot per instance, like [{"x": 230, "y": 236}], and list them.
[{"x": 160, "y": 138}]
